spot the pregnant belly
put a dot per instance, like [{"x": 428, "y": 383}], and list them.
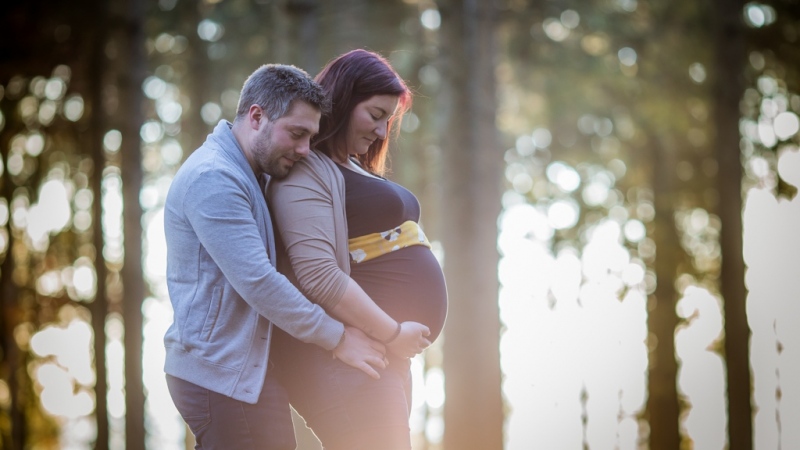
[{"x": 408, "y": 284}]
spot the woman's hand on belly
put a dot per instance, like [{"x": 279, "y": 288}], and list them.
[{"x": 412, "y": 340}]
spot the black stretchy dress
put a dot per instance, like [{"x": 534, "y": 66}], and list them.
[
  {"x": 407, "y": 283},
  {"x": 345, "y": 408}
]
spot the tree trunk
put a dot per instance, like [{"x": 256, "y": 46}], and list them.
[
  {"x": 12, "y": 436},
  {"x": 662, "y": 403},
  {"x": 304, "y": 36},
  {"x": 99, "y": 306},
  {"x": 197, "y": 83},
  {"x": 473, "y": 410},
  {"x": 129, "y": 71},
  {"x": 730, "y": 64}
]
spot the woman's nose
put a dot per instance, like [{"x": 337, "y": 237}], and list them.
[{"x": 381, "y": 129}]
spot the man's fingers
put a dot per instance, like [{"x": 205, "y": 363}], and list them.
[
  {"x": 377, "y": 346},
  {"x": 366, "y": 368},
  {"x": 379, "y": 362}
]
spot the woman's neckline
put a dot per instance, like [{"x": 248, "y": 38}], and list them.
[{"x": 353, "y": 166}]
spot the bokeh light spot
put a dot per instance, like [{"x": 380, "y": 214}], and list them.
[
  {"x": 542, "y": 137},
  {"x": 563, "y": 214},
  {"x": 563, "y": 176},
  {"x": 758, "y": 15},
  {"x": 54, "y": 88},
  {"x": 73, "y": 108},
  {"x": 555, "y": 30},
  {"x": 430, "y": 19},
  {"x": 595, "y": 44},
  {"x": 697, "y": 72},
  {"x": 786, "y": 125},
  {"x": 169, "y": 112},
  {"x": 570, "y": 18},
  {"x": 34, "y": 144},
  {"x": 627, "y": 56},
  {"x": 211, "y": 31},
  {"x": 211, "y": 112},
  {"x": 112, "y": 141},
  {"x": 634, "y": 230},
  {"x": 151, "y": 132},
  {"x": 171, "y": 151},
  {"x": 154, "y": 87}
]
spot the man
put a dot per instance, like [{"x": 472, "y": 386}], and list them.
[{"x": 225, "y": 291}]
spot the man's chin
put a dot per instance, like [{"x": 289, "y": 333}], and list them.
[{"x": 280, "y": 171}]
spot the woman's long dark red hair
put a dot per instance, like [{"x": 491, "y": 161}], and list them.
[{"x": 348, "y": 80}]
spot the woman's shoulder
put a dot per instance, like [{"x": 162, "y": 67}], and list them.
[
  {"x": 317, "y": 165},
  {"x": 316, "y": 159},
  {"x": 316, "y": 169}
]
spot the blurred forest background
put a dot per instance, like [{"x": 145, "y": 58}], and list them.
[{"x": 610, "y": 185}]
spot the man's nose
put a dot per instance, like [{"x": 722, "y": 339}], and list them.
[{"x": 304, "y": 148}]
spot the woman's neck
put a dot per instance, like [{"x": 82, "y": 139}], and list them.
[
  {"x": 340, "y": 157},
  {"x": 351, "y": 164}
]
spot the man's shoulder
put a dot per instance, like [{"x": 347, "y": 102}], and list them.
[{"x": 207, "y": 161}]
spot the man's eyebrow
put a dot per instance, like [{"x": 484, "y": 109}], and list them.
[{"x": 298, "y": 127}]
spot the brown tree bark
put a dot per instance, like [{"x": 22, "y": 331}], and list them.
[
  {"x": 99, "y": 306},
  {"x": 128, "y": 75},
  {"x": 473, "y": 160},
  {"x": 11, "y": 366},
  {"x": 663, "y": 408},
  {"x": 729, "y": 87},
  {"x": 197, "y": 84}
]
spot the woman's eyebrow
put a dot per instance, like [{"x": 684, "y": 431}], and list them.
[{"x": 383, "y": 111}]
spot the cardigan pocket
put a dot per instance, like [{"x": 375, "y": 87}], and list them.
[{"x": 212, "y": 315}]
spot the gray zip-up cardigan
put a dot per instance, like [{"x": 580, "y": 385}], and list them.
[{"x": 224, "y": 289}]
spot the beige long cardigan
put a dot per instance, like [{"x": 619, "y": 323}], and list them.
[{"x": 308, "y": 211}]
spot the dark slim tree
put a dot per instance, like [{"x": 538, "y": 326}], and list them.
[
  {"x": 729, "y": 86},
  {"x": 36, "y": 38},
  {"x": 99, "y": 306},
  {"x": 666, "y": 124},
  {"x": 472, "y": 172},
  {"x": 128, "y": 74},
  {"x": 198, "y": 81},
  {"x": 663, "y": 409}
]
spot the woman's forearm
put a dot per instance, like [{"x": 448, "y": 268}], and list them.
[{"x": 356, "y": 308}]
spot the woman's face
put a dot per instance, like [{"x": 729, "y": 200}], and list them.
[{"x": 369, "y": 121}]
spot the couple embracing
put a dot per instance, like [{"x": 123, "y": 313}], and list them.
[{"x": 297, "y": 272}]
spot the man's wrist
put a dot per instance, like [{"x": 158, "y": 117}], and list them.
[{"x": 341, "y": 340}]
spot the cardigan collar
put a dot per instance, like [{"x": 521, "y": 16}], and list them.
[{"x": 223, "y": 136}]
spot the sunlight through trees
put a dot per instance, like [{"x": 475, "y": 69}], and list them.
[{"x": 610, "y": 185}]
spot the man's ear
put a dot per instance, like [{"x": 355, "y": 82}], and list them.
[{"x": 254, "y": 116}]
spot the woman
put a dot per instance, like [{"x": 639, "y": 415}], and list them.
[{"x": 350, "y": 233}]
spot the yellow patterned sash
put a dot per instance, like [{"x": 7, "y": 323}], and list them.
[{"x": 370, "y": 246}]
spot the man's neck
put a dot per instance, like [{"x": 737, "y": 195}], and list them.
[{"x": 239, "y": 135}]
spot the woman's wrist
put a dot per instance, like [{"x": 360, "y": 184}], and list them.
[{"x": 393, "y": 336}]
